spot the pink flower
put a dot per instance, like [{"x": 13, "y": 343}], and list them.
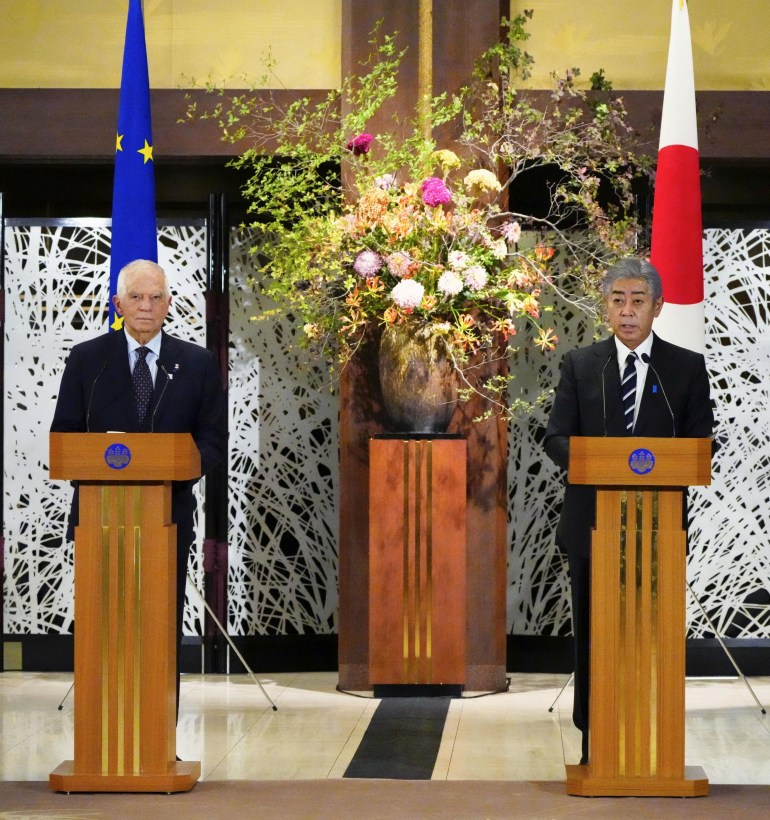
[
  {"x": 475, "y": 277},
  {"x": 458, "y": 260},
  {"x": 385, "y": 181},
  {"x": 360, "y": 144},
  {"x": 399, "y": 263},
  {"x": 434, "y": 192},
  {"x": 511, "y": 232},
  {"x": 367, "y": 264}
]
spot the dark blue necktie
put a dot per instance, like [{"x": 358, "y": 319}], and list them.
[
  {"x": 628, "y": 391},
  {"x": 142, "y": 382}
]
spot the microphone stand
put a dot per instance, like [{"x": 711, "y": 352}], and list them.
[
  {"x": 721, "y": 643},
  {"x": 230, "y": 641},
  {"x": 226, "y": 637}
]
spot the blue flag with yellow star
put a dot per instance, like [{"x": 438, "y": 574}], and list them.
[{"x": 134, "y": 231}]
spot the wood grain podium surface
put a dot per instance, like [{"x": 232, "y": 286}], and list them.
[{"x": 125, "y": 611}]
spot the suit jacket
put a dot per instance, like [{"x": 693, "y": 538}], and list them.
[
  {"x": 96, "y": 395},
  {"x": 675, "y": 402}
]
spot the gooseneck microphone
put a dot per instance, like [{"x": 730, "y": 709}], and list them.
[
  {"x": 613, "y": 355},
  {"x": 91, "y": 396},
  {"x": 160, "y": 398},
  {"x": 646, "y": 359}
]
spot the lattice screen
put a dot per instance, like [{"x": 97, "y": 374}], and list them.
[
  {"x": 283, "y": 475},
  {"x": 56, "y": 294},
  {"x": 284, "y": 451},
  {"x": 728, "y": 561}
]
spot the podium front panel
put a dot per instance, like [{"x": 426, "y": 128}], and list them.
[{"x": 417, "y": 562}]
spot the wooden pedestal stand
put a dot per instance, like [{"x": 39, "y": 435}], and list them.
[
  {"x": 125, "y": 611},
  {"x": 417, "y": 562},
  {"x": 638, "y": 584}
]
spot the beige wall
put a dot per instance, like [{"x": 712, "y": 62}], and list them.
[
  {"x": 629, "y": 40},
  {"x": 78, "y": 43}
]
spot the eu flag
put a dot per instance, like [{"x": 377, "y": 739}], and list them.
[{"x": 134, "y": 232}]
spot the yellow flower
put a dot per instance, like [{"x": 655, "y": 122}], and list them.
[
  {"x": 447, "y": 159},
  {"x": 481, "y": 180},
  {"x": 546, "y": 339}
]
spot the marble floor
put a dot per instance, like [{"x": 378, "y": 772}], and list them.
[{"x": 228, "y": 724}]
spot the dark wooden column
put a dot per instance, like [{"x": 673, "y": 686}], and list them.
[{"x": 462, "y": 30}]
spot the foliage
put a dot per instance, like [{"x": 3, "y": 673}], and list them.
[{"x": 366, "y": 230}]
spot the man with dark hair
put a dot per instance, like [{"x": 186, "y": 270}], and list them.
[{"x": 633, "y": 383}]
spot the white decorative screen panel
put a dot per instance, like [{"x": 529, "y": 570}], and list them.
[
  {"x": 729, "y": 559},
  {"x": 729, "y": 562},
  {"x": 284, "y": 469},
  {"x": 56, "y": 295}
]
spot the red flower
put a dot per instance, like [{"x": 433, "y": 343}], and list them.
[{"x": 360, "y": 144}]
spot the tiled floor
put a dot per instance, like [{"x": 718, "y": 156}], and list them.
[{"x": 228, "y": 724}]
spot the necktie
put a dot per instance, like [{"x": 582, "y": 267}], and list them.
[
  {"x": 628, "y": 391},
  {"x": 142, "y": 382}
]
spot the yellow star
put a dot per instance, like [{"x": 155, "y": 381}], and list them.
[
  {"x": 146, "y": 152},
  {"x": 119, "y": 142},
  {"x": 118, "y": 323}
]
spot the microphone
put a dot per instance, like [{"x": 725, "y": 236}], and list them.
[
  {"x": 613, "y": 355},
  {"x": 91, "y": 396},
  {"x": 162, "y": 394},
  {"x": 646, "y": 359}
]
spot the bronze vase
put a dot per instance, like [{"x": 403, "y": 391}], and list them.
[{"x": 418, "y": 379}]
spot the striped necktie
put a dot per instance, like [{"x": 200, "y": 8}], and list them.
[
  {"x": 628, "y": 391},
  {"x": 142, "y": 382}
]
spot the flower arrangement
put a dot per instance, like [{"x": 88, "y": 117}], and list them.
[
  {"x": 432, "y": 250},
  {"x": 366, "y": 231}
]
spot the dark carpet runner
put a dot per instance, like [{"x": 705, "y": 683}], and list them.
[{"x": 402, "y": 740}]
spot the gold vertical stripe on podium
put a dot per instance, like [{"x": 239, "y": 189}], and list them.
[
  {"x": 637, "y": 694},
  {"x": 654, "y": 632},
  {"x": 105, "y": 635},
  {"x": 137, "y": 622},
  {"x": 417, "y": 574},
  {"x": 418, "y": 561},
  {"x": 623, "y": 651},
  {"x": 121, "y": 630},
  {"x": 640, "y": 659},
  {"x": 405, "y": 562},
  {"x": 120, "y": 626},
  {"x": 429, "y": 560}
]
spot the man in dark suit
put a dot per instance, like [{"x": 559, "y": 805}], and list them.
[
  {"x": 179, "y": 391},
  {"x": 663, "y": 391}
]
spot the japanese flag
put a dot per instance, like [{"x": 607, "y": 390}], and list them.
[{"x": 677, "y": 225}]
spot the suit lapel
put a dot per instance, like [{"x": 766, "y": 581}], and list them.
[
  {"x": 655, "y": 416},
  {"x": 169, "y": 364},
  {"x": 118, "y": 392},
  {"x": 607, "y": 364}
]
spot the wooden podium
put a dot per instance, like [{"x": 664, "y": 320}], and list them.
[
  {"x": 417, "y": 561},
  {"x": 125, "y": 610},
  {"x": 638, "y": 585}
]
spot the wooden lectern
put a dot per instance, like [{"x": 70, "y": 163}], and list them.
[
  {"x": 125, "y": 610},
  {"x": 638, "y": 585}
]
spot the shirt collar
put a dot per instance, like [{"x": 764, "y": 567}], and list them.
[
  {"x": 623, "y": 351},
  {"x": 153, "y": 344}
]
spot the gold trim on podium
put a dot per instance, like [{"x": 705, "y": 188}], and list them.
[
  {"x": 638, "y": 584},
  {"x": 125, "y": 613}
]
